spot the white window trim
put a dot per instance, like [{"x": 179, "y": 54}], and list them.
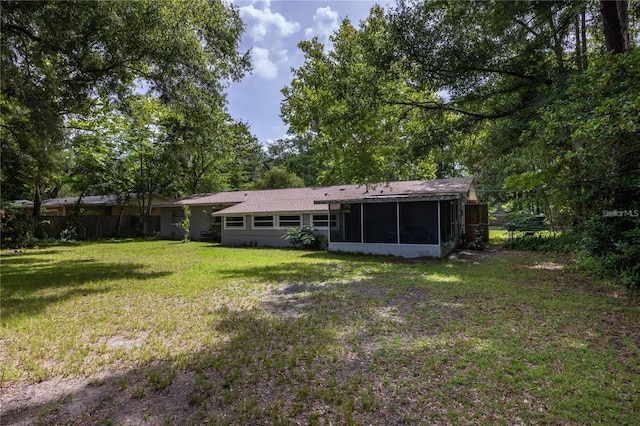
[
  {"x": 313, "y": 223},
  {"x": 244, "y": 223},
  {"x": 253, "y": 222},
  {"x": 300, "y": 221}
]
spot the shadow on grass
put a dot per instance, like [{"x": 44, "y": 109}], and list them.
[
  {"x": 288, "y": 272},
  {"x": 29, "y": 285}
]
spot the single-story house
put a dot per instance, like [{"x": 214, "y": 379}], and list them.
[
  {"x": 99, "y": 205},
  {"x": 409, "y": 219}
]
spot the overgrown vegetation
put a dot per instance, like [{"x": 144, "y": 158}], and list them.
[
  {"x": 601, "y": 248},
  {"x": 227, "y": 335},
  {"x": 19, "y": 230}
]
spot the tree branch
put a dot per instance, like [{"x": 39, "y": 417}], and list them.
[
  {"x": 435, "y": 106},
  {"x": 465, "y": 69},
  {"x": 17, "y": 29}
]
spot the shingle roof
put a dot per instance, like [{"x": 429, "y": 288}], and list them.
[
  {"x": 267, "y": 206},
  {"x": 88, "y": 200},
  {"x": 316, "y": 198},
  {"x": 103, "y": 200},
  {"x": 405, "y": 189}
]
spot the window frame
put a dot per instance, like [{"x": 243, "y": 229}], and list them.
[
  {"x": 227, "y": 226},
  {"x": 177, "y": 216},
  {"x": 331, "y": 221},
  {"x": 253, "y": 221},
  {"x": 299, "y": 224}
]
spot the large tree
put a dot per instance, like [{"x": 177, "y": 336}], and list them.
[
  {"x": 338, "y": 105},
  {"x": 59, "y": 58},
  {"x": 501, "y": 64}
]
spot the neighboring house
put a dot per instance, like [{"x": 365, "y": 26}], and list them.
[
  {"x": 409, "y": 219},
  {"x": 22, "y": 204},
  {"x": 99, "y": 205}
]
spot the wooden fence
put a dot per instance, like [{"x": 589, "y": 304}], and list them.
[{"x": 96, "y": 227}]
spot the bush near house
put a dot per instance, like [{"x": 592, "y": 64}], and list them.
[{"x": 302, "y": 237}]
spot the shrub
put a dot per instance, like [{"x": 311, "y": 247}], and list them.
[
  {"x": 604, "y": 247},
  {"x": 18, "y": 229},
  {"x": 185, "y": 223},
  {"x": 302, "y": 237},
  {"x": 69, "y": 234},
  {"x": 565, "y": 242},
  {"x": 614, "y": 243}
]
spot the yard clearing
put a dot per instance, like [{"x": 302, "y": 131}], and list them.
[{"x": 158, "y": 332}]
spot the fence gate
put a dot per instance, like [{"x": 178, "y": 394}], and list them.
[{"x": 476, "y": 221}]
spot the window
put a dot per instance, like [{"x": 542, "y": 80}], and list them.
[
  {"x": 263, "y": 222},
  {"x": 289, "y": 221},
  {"x": 234, "y": 222},
  {"x": 177, "y": 216},
  {"x": 321, "y": 221}
]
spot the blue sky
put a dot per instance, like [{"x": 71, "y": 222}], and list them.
[{"x": 272, "y": 31}]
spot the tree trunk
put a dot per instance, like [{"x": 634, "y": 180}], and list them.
[
  {"x": 37, "y": 202},
  {"x": 615, "y": 23},
  {"x": 583, "y": 24},
  {"x": 579, "y": 60}
]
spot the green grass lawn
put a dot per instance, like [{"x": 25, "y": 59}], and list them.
[{"x": 188, "y": 333}]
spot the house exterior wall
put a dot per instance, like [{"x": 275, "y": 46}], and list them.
[
  {"x": 53, "y": 211},
  {"x": 168, "y": 227},
  {"x": 273, "y": 237},
  {"x": 171, "y": 217},
  {"x": 200, "y": 221}
]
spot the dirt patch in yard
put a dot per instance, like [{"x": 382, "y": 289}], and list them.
[{"x": 109, "y": 398}]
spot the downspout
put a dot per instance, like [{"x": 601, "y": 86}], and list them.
[
  {"x": 397, "y": 222},
  {"x": 362, "y": 223},
  {"x": 439, "y": 230},
  {"x": 328, "y": 223},
  {"x": 221, "y": 230}
]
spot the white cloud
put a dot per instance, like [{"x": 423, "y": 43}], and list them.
[
  {"x": 260, "y": 22},
  {"x": 263, "y": 66},
  {"x": 325, "y": 22}
]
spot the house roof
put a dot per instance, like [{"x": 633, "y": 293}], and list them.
[
  {"x": 22, "y": 203},
  {"x": 88, "y": 200},
  {"x": 426, "y": 189},
  {"x": 316, "y": 198}
]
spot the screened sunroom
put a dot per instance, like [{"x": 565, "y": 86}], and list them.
[{"x": 398, "y": 226}]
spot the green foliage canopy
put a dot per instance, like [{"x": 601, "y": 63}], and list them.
[{"x": 60, "y": 58}]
